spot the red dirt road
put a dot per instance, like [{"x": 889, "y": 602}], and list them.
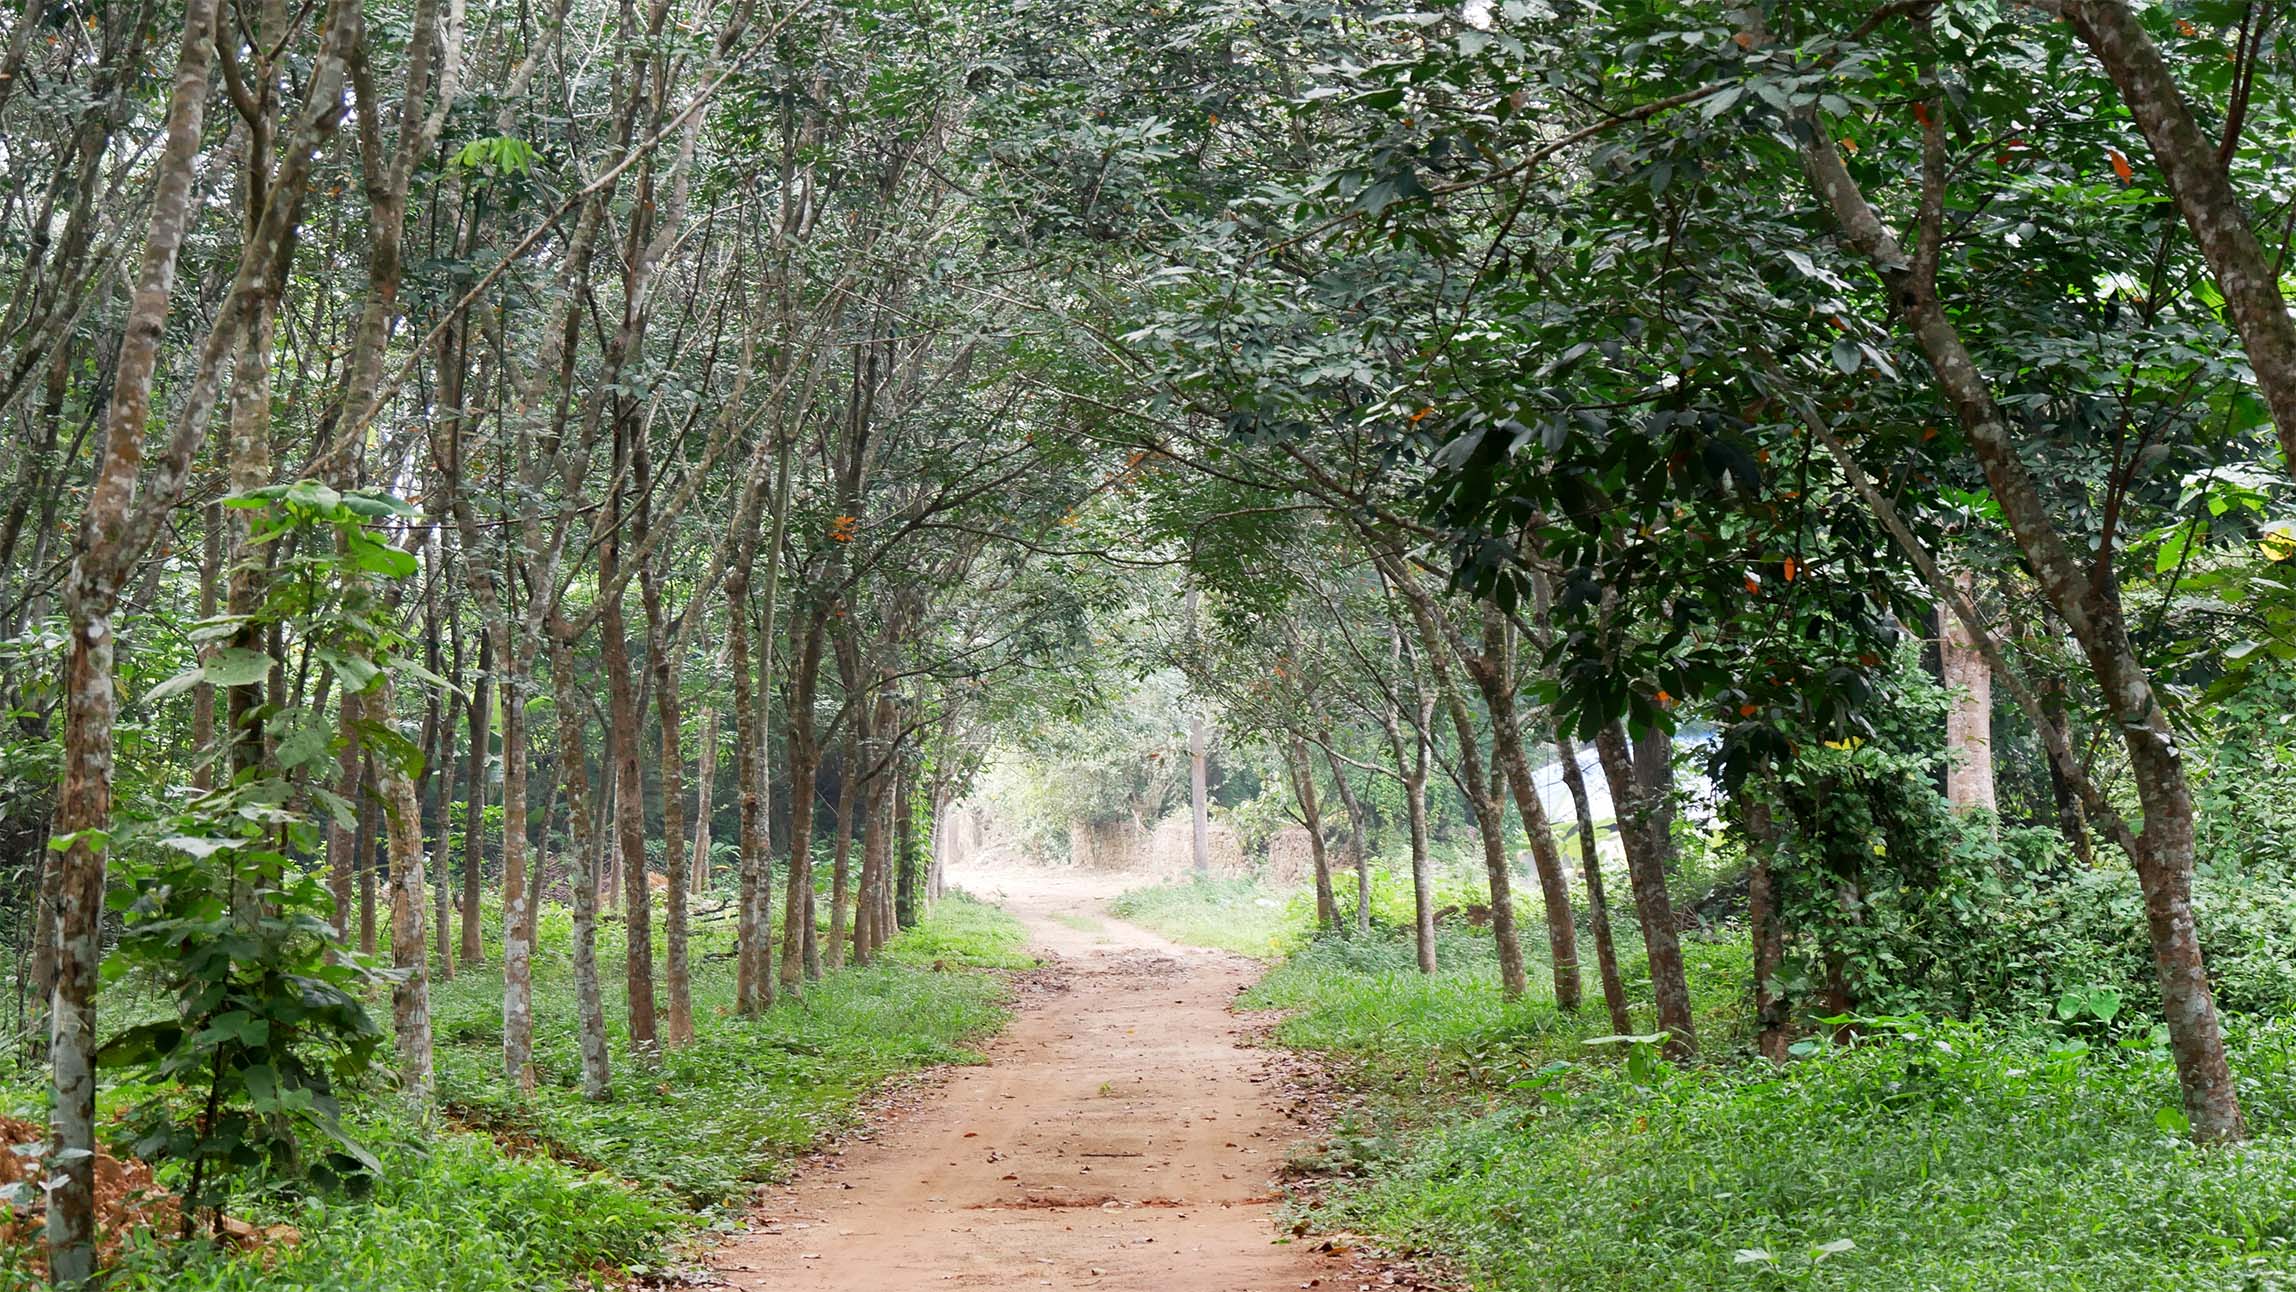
[{"x": 1117, "y": 1140}]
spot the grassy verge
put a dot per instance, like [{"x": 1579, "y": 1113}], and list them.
[
  {"x": 557, "y": 1192},
  {"x": 1931, "y": 1156},
  {"x": 1245, "y": 915}
]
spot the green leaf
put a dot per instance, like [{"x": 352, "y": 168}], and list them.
[
  {"x": 382, "y": 558},
  {"x": 236, "y": 666},
  {"x": 306, "y": 746},
  {"x": 174, "y": 686},
  {"x": 356, "y": 673},
  {"x": 1847, "y": 356},
  {"x": 312, "y": 494}
]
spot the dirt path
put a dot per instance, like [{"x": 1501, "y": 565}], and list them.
[{"x": 1121, "y": 1138}]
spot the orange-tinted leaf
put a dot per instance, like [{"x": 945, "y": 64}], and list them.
[{"x": 2121, "y": 165}]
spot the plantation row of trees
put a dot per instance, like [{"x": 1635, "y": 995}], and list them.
[{"x": 436, "y": 435}]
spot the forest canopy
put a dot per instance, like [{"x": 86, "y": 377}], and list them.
[{"x": 597, "y": 498}]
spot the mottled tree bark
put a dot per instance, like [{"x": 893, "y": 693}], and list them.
[
  {"x": 474, "y": 800},
  {"x": 410, "y": 992},
  {"x": 1597, "y": 900},
  {"x": 753, "y": 977},
  {"x": 1772, "y": 1032},
  {"x": 1358, "y": 854},
  {"x": 841, "y": 858},
  {"x": 630, "y": 827},
  {"x": 1639, "y": 820},
  {"x": 2091, "y": 612},
  {"x": 804, "y": 763},
  {"x": 1411, "y": 769},
  {"x": 581, "y": 878},
  {"x": 2195, "y": 168},
  {"x": 1968, "y": 714},
  {"x": 518, "y": 904},
  {"x": 698, "y": 874},
  {"x": 1311, "y": 816},
  {"x": 1481, "y": 791}
]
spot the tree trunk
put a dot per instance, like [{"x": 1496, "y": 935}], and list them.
[
  {"x": 1482, "y": 794},
  {"x": 370, "y": 829},
  {"x": 518, "y": 905},
  {"x": 1311, "y": 815},
  {"x": 1639, "y": 819},
  {"x": 804, "y": 764},
  {"x": 1357, "y": 834},
  {"x": 2195, "y": 168},
  {"x": 1199, "y": 798},
  {"x": 1969, "y": 713},
  {"x": 1597, "y": 900},
  {"x": 1772, "y": 1032},
  {"x": 410, "y": 992},
  {"x": 677, "y": 985},
  {"x": 699, "y": 872},
  {"x": 343, "y": 841},
  {"x": 2091, "y": 612},
  {"x": 841, "y": 867},
  {"x": 753, "y": 977},
  {"x": 581, "y": 878},
  {"x": 1413, "y": 771},
  {"x": 906, "y": 907},
  {"x": 630, "y": 828},
  {"x": 474, "y": 800}
]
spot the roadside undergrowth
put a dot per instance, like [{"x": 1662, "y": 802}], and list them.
[
  {"x": 1525, "y": 1149},
  {"x": 554, "y": 1192}
]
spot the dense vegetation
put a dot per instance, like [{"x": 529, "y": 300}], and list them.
[{"x": 530, "y": 534}]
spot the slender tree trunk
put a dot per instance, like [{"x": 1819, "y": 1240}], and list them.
[
  {"x": 343, "y": 841},
  {"x": 804, "y": 765},
  {"x": 1494, "y": 674},
  {"x": 410, "y": 992},
  {"x": 1771, "y": 1022},
  {"x": 1199, "y": 796},
  {"x": 1357, "y": 835},
  {"x": 518, "y": 905},
  {"x": 753, "y": 977},
  {"x": 1303, "y": 786},
  {"x": 906, "y": 907},
  {"x": 370, "y": 829},
  {"x": 699, "y": 872},
  {"x": 1646, "y": 875},
  {"x": 630, "y": 829},
  {"x": 1968, "y": 715},
  {"x": 1482, "y": 795},
  {"x": 441, "y": 756},
  {"x": 589, "y": 1003},
  {"x": 2091, "y": 613},
  {"x": 2195, "y": 168},
  {"x": 474, "y": 805},
  {"x": 1597, "y": 900},
  {"x": 679, "y": 1028},
  {"x": 841, "y": 866},
  {"x": 1412, "y": 768}
]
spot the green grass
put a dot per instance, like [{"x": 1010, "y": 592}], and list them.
[
  {"x": 714, "y": 1117},
  {"x": 1952, "y": 1156},
  {"x": 549, "y": 1192},
  {"x": 1243, "y": 915}
]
